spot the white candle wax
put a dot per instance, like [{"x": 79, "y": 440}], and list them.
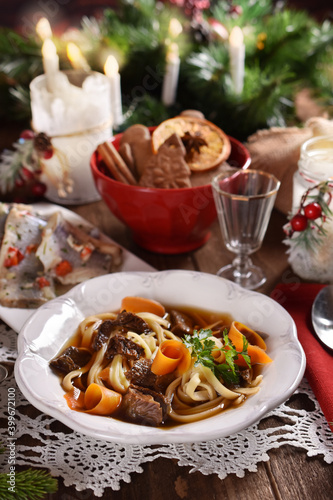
[
  {"x": 237, "y": 58},
  {"x": 170, "y": 81},
  {"x": 77, "y": 118},
  {"x": 50, "y": 63},
  {"x": 111, "y": 69}
]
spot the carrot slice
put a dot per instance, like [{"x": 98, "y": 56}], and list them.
[
  {"x": 104, "y": 374},
  {"x": 64, "y": 267},
  {"x": 141, "y": 304},
  {"x": 101, "y": 401},
  {"x": 170, "y": 356},
  {"x": 257, "y": 355},
  {"x": 75, "y": 399},
  {"x": 238, "y": 330}
]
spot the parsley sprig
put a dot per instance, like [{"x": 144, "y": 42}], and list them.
[{"x": 201, "y": 346}]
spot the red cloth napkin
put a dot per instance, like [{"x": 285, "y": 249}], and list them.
[{"x": 297, "y": 299}]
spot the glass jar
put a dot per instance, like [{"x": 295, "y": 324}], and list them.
[{"x": 315, "y": 165}]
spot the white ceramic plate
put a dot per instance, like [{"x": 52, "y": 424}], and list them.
[
  {"x": 52, "y": 324},
  {"x": 15, "y": 317}
]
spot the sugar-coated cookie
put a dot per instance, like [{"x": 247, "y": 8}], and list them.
[{"x": 168, "y": 168}]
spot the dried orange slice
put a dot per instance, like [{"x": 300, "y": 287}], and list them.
[{"x": 211, "y": 144}]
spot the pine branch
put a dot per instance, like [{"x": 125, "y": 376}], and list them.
[
  {"x": 29, "y": 485},
  {"x": 11, "y": 163}
]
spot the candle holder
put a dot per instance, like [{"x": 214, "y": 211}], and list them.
[{"x": 76, "y": 116}]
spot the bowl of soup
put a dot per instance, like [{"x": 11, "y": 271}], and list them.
[{"x": 98, "y": 318}]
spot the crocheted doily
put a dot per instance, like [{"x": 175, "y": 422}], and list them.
[{"x": 76, "y": 457}]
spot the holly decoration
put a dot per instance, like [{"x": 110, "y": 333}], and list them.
[
  {"x": 306, "y": 227},
  {"x": 20, "y": 168}
]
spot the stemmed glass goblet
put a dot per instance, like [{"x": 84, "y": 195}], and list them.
[{"x": 244, "y": 201}]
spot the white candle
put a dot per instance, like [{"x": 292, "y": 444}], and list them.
[
  {"x": 170, "y": 81},
  {"x": 43, "y": 29},
  {"x": 76, "y": 58},
  {"x": 237, "y": 58},
  {"x": 50, "y": 63},
  {"x": 111, "y": 69},
  {"x": 77, "y": 118}
]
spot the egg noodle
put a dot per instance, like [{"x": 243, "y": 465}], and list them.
[{"x": 194, "y": 391}]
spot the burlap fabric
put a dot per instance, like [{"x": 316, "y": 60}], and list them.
[{"x": 277, "y": 150}]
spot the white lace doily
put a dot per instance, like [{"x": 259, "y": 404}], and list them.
[{"x": 76, "y": 457}]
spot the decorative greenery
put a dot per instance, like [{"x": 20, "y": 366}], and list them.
[
  {"x": 12, "y": 163},
  {"x": 306, "y": 227},
  {"x": 29, "y": 484},
  {"x": 202, "y": 346},
  {"x": 286, "y": 50}
]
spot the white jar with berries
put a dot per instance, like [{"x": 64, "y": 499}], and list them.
[
  {"x": 310, "y": 228},
  {"x": 315, "y": 165}
]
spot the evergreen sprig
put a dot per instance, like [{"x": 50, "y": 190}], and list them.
[
  {"x": 13, "y": 161},
  {"x": 29, "y": 484}
]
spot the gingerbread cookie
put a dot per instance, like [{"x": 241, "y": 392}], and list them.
[
  {"x": 139, "y": 140},
  {"x": 168, "y": 168}
]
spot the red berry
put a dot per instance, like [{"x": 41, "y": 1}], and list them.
[
  {"x": 28, "y": 174},
  {"x": 19, "y": 182},
  {"x": 299, "y": 222},
  {"x": 27, "y": 135},
  {"x": 38, "y": 189},
  {"x": 312, "y": 210},
  {"x": 236, "y": 10},
  {"x": 47, "y": 154}
]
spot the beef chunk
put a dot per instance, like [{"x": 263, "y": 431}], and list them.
[
  {"x": 132, "y": 322},
  {"x": 103, "y": 334},
  {"x": 141, "y": 374},
  {"x": 124, "y": 321},
  {"x": 71, "y": 359},
  {"x": 144, "y": 406},
  {"x": 181, "y": 324},
  {"x": 121, "y": 345}
]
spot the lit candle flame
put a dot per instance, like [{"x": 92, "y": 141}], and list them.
[
  {"x": 76, "y": 58},
  {"x": 175, "y": 28},
  {"x": 43, "y": 29},
  {"x": 111, "y": 66},
  {"x": 236, "y": 38}
]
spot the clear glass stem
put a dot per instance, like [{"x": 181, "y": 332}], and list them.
[{"x": 242, "y": 267}]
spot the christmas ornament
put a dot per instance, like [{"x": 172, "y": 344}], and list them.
[{"x": 307, "y": 227}]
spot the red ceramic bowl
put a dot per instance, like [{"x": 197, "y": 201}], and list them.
[{"x": 166, "y": 221}]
